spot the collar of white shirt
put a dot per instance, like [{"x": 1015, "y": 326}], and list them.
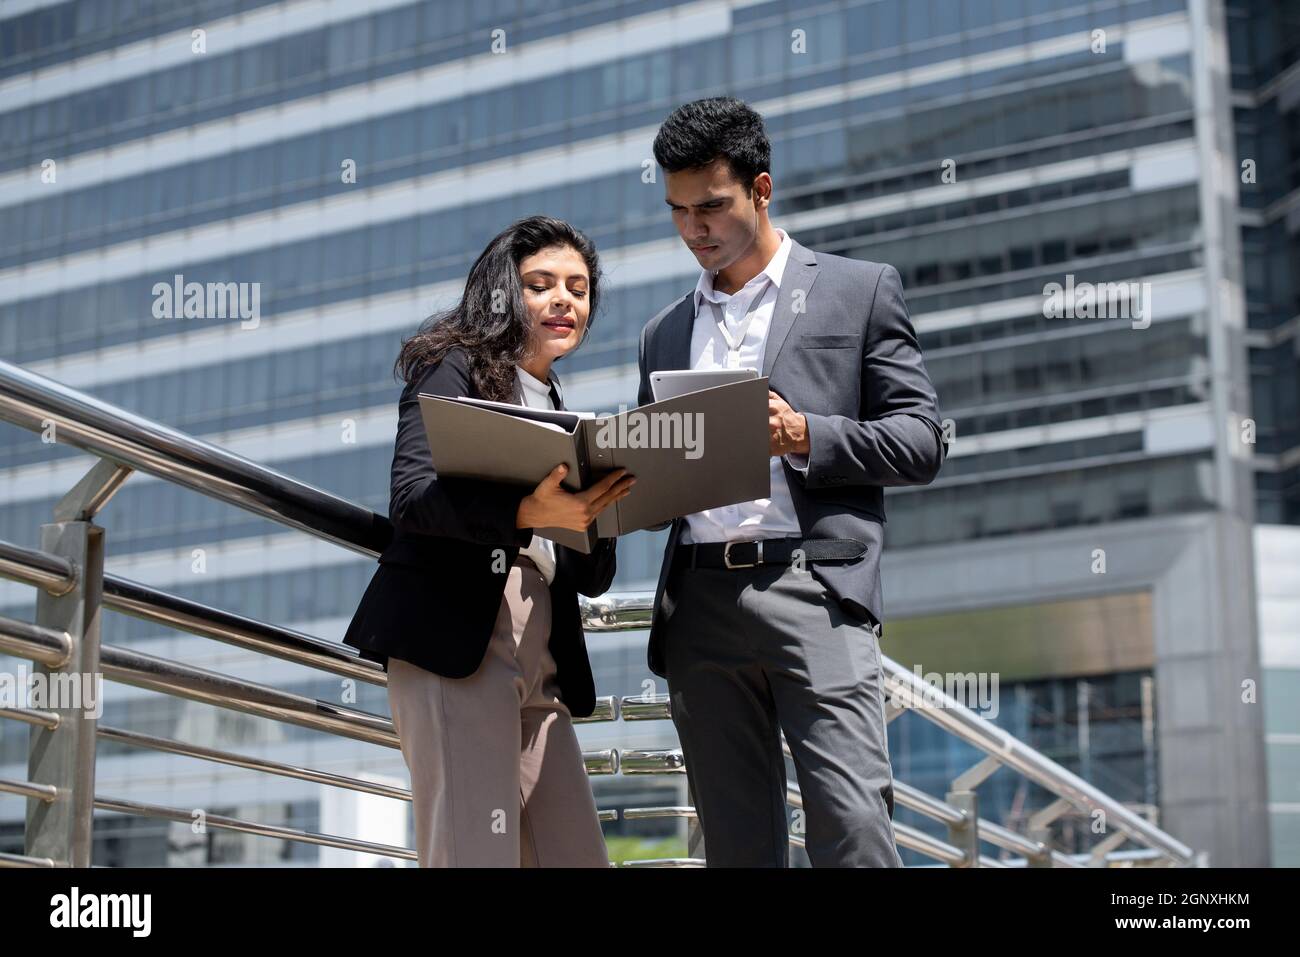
[
  {"x": 772, "y": 272},
  {"x": 529, "y": 383},
  {"x": 529, "y": 379}
]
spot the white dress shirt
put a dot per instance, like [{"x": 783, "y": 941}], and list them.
[
  {"x": 537, "y": 395},
  {"x": 763, "y": 517}
]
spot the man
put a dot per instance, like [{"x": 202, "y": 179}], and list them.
[{"x": 787, "y": 638}]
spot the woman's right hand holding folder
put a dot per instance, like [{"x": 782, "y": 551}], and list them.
[{"x": 550, "y": 506}]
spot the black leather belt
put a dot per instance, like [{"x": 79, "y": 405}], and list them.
[{"x": 766, "y": 551}]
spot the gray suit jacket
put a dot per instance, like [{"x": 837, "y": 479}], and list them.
[{"x": 849, "y": 362}]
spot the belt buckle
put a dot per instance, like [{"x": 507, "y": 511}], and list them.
[{"x": 726, "y": 555}]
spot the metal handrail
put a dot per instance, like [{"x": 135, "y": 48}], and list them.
[
  {"x": 1009, "y": 750},
  {"x": 151, "y": 742},
  {"x": 42, "y": 792},
  {"x": 154, "y": 673},
  {"x": 29, "y": 399},
  {"x": 223, "y": 822},
  {"x": 55, "y": 574},
  {"x": 171, "y": 677},
  {"x": 121, "y": 438},
  {"x": 49, "y": 647},
  {"x": 43, "y": 719},
  {"x": 24, "y": 860}
]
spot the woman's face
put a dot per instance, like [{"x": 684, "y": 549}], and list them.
[{"x": 557, "y": 295}]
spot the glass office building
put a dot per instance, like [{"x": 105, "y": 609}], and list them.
[
  {"x": 1265, "y": 96},
  {"x": 1111, "y": 539}
]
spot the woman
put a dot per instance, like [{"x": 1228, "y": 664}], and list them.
[{"x": 475, "y": 617}]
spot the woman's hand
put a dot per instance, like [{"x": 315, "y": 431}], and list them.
[{"x": 550, "y": 506}]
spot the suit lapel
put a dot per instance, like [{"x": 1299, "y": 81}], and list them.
[
  {"x": 677, "y": 340},
  {"x": 801, "y": 271}
]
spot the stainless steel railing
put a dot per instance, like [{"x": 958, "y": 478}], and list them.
[
  {"x": 72, "y": 587},
  {"x": 30, "y": 400}
]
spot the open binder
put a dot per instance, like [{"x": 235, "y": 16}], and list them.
[{"x": 700, "y": 450}]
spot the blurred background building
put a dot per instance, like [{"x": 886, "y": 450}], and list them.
[{"x": 1114, "y": 536}]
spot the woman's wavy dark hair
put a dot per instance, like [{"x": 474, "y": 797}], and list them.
[{"x": 491, "y": 320}]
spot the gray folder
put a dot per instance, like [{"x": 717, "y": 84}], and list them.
[{"x": 696, "y": 451}]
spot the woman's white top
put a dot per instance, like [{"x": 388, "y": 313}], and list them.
[{"x": 537, "y": 395}]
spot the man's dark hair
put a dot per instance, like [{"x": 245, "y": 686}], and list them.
[{"x": 697, "y": 133}]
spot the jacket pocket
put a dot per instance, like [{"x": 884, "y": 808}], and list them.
[{"x": 807, "y": 341}]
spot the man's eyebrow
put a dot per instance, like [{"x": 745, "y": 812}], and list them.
[{"x": 711, "y": 199}]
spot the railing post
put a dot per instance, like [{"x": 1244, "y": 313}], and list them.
[
  {"x": 966, "y": 834},
  {"x": 962, "y": 796},
  {"x": 1039, "y": 829},
  {"x": 64, "y": 756}
]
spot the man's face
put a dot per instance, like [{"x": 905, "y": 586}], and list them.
[{"x": 714, "y": 217}]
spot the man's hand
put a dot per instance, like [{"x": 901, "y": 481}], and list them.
[{"x": 787, "y": 429}]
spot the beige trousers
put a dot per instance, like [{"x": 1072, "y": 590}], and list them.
[{"x": 497, "y": 776}]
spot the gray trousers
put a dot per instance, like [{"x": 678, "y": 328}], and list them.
[
  {"x": 752, "y": 652},
  {"x": 497, "y": 775}
]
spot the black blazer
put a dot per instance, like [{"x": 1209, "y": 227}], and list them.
[{"x": 434, "y": 599}]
